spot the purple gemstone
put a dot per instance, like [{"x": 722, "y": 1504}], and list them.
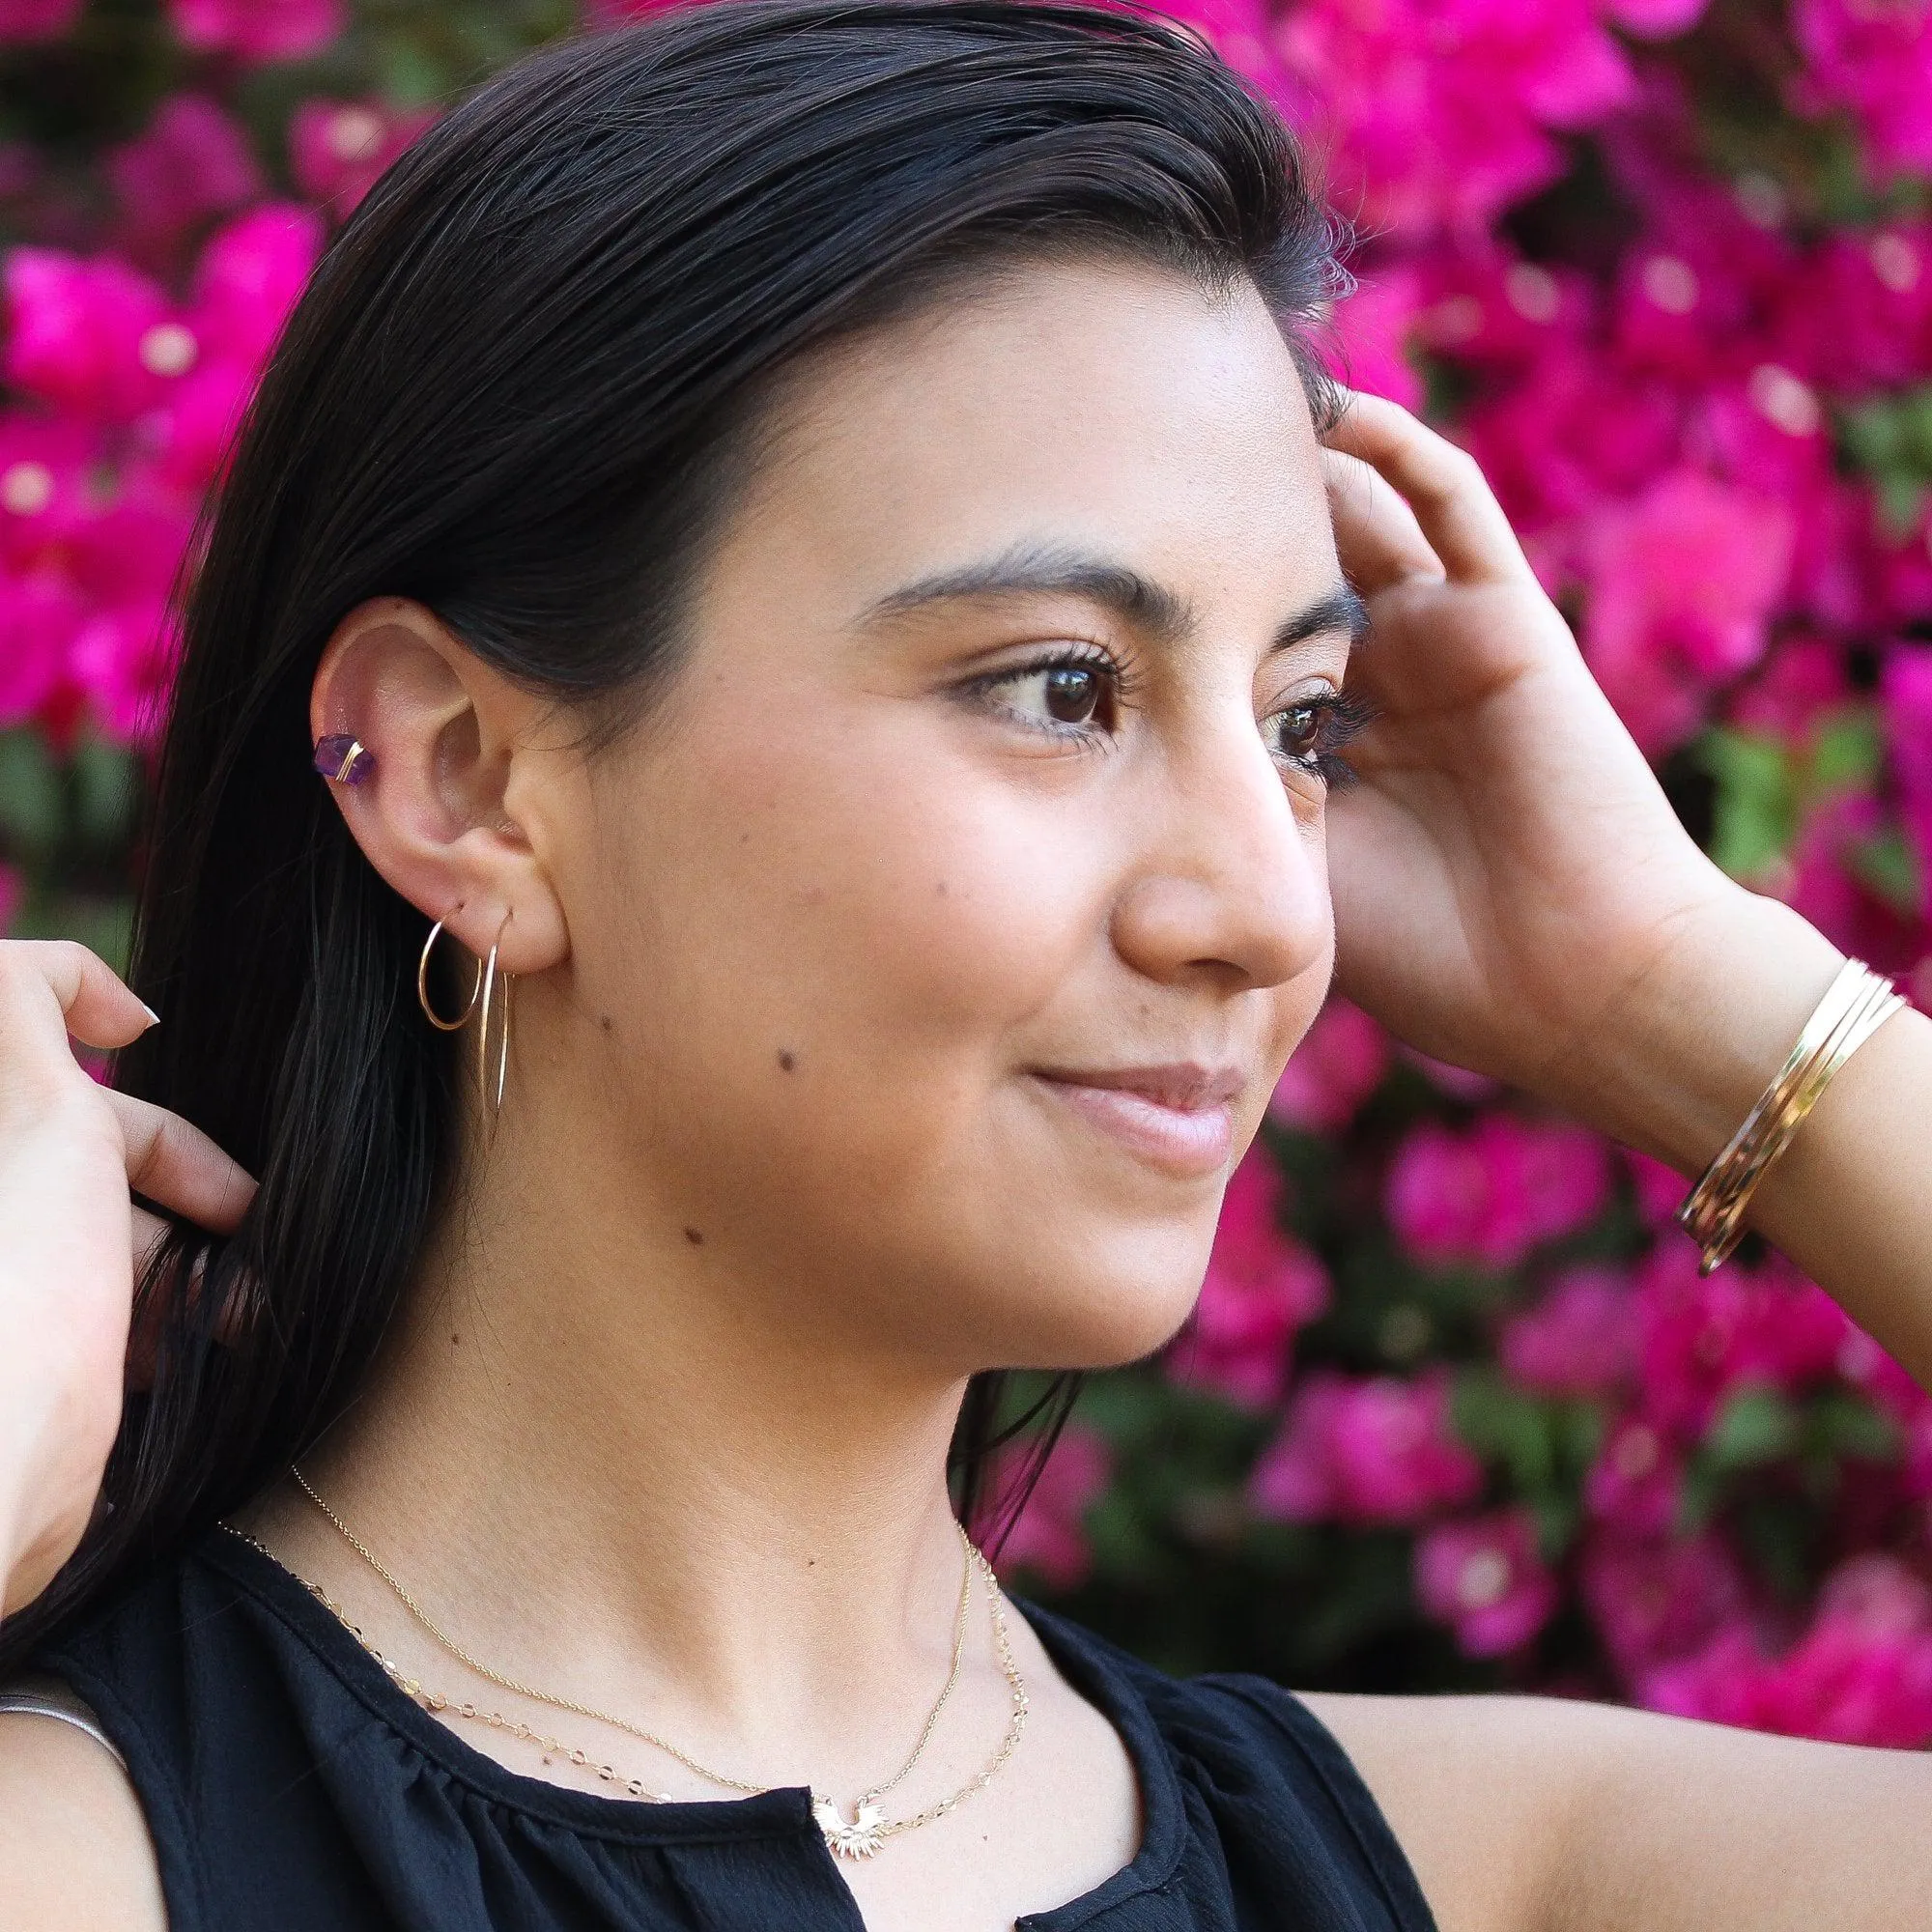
[{"x": 340, "y": 757}]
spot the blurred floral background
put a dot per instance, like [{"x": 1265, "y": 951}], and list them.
[{"x": 1457, "y": 1409}]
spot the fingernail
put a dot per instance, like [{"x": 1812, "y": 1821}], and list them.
[{"x": 154, "y": 1018}]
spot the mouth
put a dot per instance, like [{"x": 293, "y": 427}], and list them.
[{"x": 1179, "y": 1118}]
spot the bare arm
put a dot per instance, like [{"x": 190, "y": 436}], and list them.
[
  {"x": 74, "y": 1846},
  {"x": 1526, "y": 1815}
]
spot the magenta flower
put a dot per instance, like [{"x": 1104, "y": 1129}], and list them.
[
  {"x": 1373, "y": 1451},
  {"x": 258, "y": 30},
  {"x": 1372, "y": 329},
  {"x": 1875, "y": 58},
  {"x": 1705, "y": 1337},
  {"x": 1484, "y": 1578},
  {"x": 1262, "y": 1285},
  {"x": 1637, "y": 1483},
  {"x": 1907, "y": 690},
  {"x": 1684, "y": 580},
  {"x": 95, "y": 338},
  {"x": 1860, "y": 1674},
  {"x": 1489, "y": 1195},
  {"x": 1339, "y": 1063},
  {"x": 338, "y": 148},
  {"x": 1049, "y": 1536},
  {"x": 1654, "y": 1599},
  {"x": 1580, "y": 1339},
  {"x": 192, "y": 162},
  {"x": 124, "y": 656},
  {"x": 1437, "y": 110},
  {"x": 38, "y": 19}
]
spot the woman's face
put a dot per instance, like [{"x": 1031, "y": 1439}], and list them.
[{"x": 941, "y": 940}]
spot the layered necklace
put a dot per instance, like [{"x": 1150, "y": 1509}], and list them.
[{"x": 860, "y": 1837}]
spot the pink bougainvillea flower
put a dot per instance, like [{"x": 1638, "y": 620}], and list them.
[
  {"x": 258, "y": 30},
  {"x": 1875, "y": 58},
  {"x": 38, "y": 19},
  {"x": 1858, "y": 316},
  {"x": 1373, "y": 1451},
  {"x": 1907, "y": 692},
  {"x": 1656, "y": 19},
  {"x": 1860, "y": 1674},
  {"x": 1372, "y": 329},
  {"x": 1436, "y": 110},
  {"x": 1484, "y": 1578},
  {"x": 248, "y": 278},
  {"x": 338, "y": 148},
  {"x": 1262, "y": 1285},
  {"x": 1636, "y": 1482},
  {"x": 1049, "y": 1536},
  {"x": 1684, "y": 580},
  {"x": 1339, "y": 1063},
  {"x": 124, "y": 655},
  {"x": 96, "y": 338},
  {"x": 1580, "y": 1339},
  {"x": 192, "y": 162},
  {"x": 1704, "y": 1337},
  {"x": 1489, "y": 1195},
  {"x": 1654, "y": 1598},
  {"x": 1824, "y": 884},
  {"x": 1481, "y": 303},
  {"x": 40, "y": 613}
]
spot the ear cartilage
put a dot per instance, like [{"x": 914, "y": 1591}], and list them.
[{"x": 343, "y": 759}]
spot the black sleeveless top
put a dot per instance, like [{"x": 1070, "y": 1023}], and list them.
[{"x": 288, "y": 1783}]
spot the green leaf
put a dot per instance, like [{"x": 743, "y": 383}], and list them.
[
  {"x": 1755, "y": 812},
  {"x": 1848, "y": 752},
  {"x": 30, "y": 794},
  {"x": 108, "y": 791},
  {"x": 1754, "y": 1427},
  {"x": 1890, "y": 865}
]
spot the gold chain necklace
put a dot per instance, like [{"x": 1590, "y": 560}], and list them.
[{"x": 869, "y": 1829}]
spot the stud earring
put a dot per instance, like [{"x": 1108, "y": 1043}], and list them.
[{"x": 343, "y": 760}]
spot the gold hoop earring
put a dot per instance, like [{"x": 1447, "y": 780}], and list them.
[
  {"x": 430, "y": 1013},
  {"x": 494, "y": 1103}
]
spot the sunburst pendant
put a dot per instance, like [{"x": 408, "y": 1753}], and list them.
[{"x": 859, "y": 1839}]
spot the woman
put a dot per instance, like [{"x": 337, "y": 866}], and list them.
[{"x": 809, "y": 541}]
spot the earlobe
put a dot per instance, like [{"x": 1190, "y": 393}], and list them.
[{"x": 416, "y": 736}]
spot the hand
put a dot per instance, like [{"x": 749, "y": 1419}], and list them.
[
  {"x": 1513, "y": 890},
  {"x": 71, "y": 1153}
]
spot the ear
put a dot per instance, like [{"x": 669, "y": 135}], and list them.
[{"x": 445, "y": 731}]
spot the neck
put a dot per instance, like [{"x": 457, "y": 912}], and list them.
[{"x": 597, "y": 1463}]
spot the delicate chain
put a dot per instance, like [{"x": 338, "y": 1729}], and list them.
[
  {"x": 437, "y": 1702},
  {"x": 859, "y": 1840}
]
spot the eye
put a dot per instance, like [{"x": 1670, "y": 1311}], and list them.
[
  {"x": 1298, "y": 732},
  {"x": 1312, "y": 733},
  {"x": 1071, "y": 695}
]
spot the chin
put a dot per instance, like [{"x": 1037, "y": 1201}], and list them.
[{"x": 1100, "y": 1302}]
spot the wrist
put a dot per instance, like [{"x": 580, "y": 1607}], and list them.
[{"x": 1697, "y": 1040}]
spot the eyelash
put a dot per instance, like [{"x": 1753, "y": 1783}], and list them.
[{"x": 1342, "y": 717}]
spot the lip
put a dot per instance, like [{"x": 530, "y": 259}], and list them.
[{"x": 1178, "y": 1116}]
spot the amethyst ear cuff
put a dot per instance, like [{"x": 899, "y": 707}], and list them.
[{"x": 343, "y": 759}]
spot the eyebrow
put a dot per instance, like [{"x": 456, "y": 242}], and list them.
[{"x": 1029, "y": 571}]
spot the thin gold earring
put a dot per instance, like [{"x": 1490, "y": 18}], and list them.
[
  {"x": 430, "y": 1013},
  {"x": 489, "y": 979}
]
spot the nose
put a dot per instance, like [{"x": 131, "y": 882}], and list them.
[{"x": 1230, "y": 883}]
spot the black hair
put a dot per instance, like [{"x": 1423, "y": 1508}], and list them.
[{"x": 519, "y": 388}]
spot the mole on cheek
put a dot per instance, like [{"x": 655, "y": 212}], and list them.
[
  {"x": 605, "y": 1022},
  {"x": 696, "y": 1240},
  {"x": 787, "y": 1060}
]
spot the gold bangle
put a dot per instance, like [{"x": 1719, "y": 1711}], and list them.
[{"x": 1855, "y": 1005}]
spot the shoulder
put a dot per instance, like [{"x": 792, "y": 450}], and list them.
[
  {"x": 74, "y": 1848},
  {"x": 1261, "y": 1779}
]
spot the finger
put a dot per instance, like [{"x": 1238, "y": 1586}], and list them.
[
  {"x": 178, "y": 1167},
  {"x": 40, "y": 976},
  {"x": 1376, "y": 537},
  {"x": 1453, "y": 504}
]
